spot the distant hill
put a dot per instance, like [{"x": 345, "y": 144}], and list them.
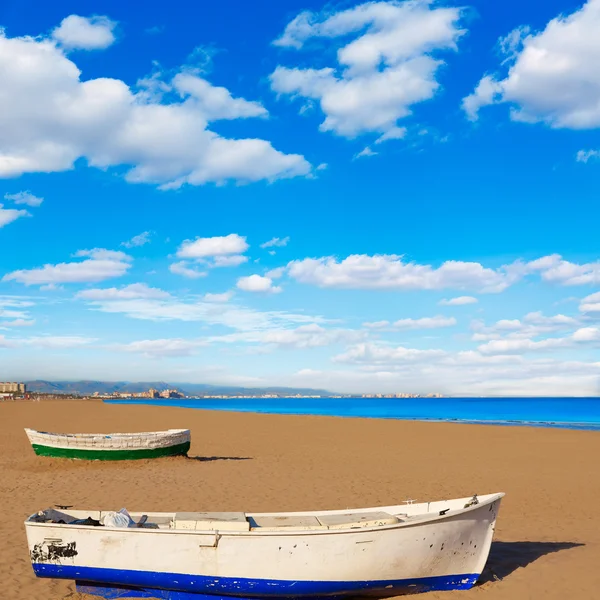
[{"x": 87, "y": 388}]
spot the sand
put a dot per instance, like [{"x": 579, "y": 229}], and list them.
[{"x": 548, "y": 533}]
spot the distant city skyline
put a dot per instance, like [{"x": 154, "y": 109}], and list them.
[{"x": 384, "y": 197}]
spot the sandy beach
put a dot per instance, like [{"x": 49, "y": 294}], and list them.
[{"x": 548, "y": 535}]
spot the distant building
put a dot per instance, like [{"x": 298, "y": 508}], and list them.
[
  {"x": 13, "y": 388},
  {"x": 171, "y": 394}
]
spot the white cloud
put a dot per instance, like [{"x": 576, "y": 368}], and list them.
[
  {"x": 224, "y": 297},
  {"x": 425, "y": 323},
  {"x": 210, "y": 311},
  {"x": 8, "y": 215},
  {"x": 174, "y": 347},
  {"x": 376, "y": 324},
  {"x": 17, "y": 322},
  {"x": 158, "y": 131},
  {"x": 257, "y": 283},
  {"x": 228, "y": 261},
  {"x": 184, "y": 269},
  {"x": 24, "y": 198},
  {"x": 395, "y": 133},
  {"x": 138, "y": 240},
  {"x": 377, "y": 354},
  {"x": 128, "y": 292},
  {"x": 216, "y": 102},
  {"x": 590, "y": 304},
  {"x": 587, "y": 334},
  {"x": 85, "y": 33},
  {"x": 213, "y": 246},
  {"x": 458, "y": 301},
  {"x": 517, "y": 346},
  {"x": 521, "y": 345},
  {"x": 305, "y": 336},
  {"x": 99, "y": 264},
  {"x": 276, "y": 242},
  {"x": 533, "y": 325},
  {"x": 386, "y": 68},
  {"x": 365, "y": 152},
  {"x": 389, "y": 271},
  {"x": 552, "y": 77},
  {"x": 555, "y": 269},
  {"x": 58, "y": 342},
  {"x": 585, "y": 156}
]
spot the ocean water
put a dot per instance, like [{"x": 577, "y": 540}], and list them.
[{"x": 570, "y": 413}]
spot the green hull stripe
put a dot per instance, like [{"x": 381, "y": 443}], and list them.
[{"x": 179, "y": 449}]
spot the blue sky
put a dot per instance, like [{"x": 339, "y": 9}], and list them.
[{"x": 365, "y": 197}]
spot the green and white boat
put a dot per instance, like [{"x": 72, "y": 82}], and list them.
[{"x": 111, "y": 446}]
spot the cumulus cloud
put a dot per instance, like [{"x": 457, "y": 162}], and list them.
[
  {"x": 257, "y": 283},
  {"x": 228, "y": 261},
  {"x": 425, "y": 323},
  {"x": 390, "y": 63},
  {"x": 8, "y": 215},
  {"x": 555, "y": 269},
  {"x": 390, "y": 271},
  {"x": 98, "y": 264},
  {"x": 532, "y": 325},
  {"x": 213, "y": 252},
  {"x": 128, "y": 292},
  {"x": 377, "y": 354},
  {"x": 552, "y": 76},
  {"x": 138, "y": 240},
  {"x": 590, "y": 304},
  {"x": 184, "y": 269},
  {"x": 213, "y": 246},
  {"x": 276, "y": 242},
  {"x": 85, "y": 33},
  {"x": 458, "y": 301},
  {"x": 25, "y": 197},
  {"x": 157, "y": 131}
]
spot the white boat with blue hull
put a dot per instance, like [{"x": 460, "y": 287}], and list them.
[{"x": 382, "y": 551}]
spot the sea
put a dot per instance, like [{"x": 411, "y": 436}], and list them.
[{"x": 567, "y": 413}]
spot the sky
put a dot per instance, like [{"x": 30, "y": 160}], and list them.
[{"x": 379, "y": 197}]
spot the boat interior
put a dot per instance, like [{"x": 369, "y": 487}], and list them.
[{"x": 226, "y": 522}]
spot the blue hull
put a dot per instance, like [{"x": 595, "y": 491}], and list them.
[{"x": 117, "y": 583}]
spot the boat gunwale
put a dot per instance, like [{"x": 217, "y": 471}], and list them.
[
  {"x": 297, "y": 532},
  {"x": 165, "y": 433}
]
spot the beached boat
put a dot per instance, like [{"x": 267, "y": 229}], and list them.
[
  {"x": 381, "y": 551},
  {"x": 112, "y": 446}
]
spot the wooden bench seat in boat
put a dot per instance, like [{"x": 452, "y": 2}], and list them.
[
  {"x": 324, "y": 521},
  {"x": 357, "y": 520},
  {"x": 211, "y": 521},
  {"x": 287, "y": 522}
]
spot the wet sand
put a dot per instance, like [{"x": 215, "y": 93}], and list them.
[{"x": 548, "y": 533}]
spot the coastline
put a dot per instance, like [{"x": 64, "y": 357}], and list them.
[
  {"x": 567, "y": 413},
  {"x": 548, "y": 533}
]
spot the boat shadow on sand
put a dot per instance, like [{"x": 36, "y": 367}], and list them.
[
  {"x": 214, "y": 458},
  {"x": 507, "y": 557}
]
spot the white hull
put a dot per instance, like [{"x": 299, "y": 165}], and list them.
[{"x": 437, "y": 545}]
